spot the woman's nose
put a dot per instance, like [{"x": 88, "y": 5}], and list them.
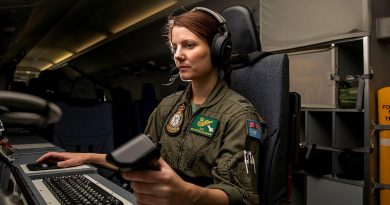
[{"x": 178, "y": 55}]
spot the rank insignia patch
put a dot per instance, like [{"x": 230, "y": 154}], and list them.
[
  {"x": 254, "y": 129},
  {"x": 204, "y": 126},
  {"x": 175, "y": 123}
]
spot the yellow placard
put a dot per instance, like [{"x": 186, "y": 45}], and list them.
[{"x": 384, "y": 142}]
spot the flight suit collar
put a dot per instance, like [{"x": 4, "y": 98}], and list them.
[{"x": 215, "y": 96}]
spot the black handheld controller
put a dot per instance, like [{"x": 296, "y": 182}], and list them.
[
  {"x": 42, "y": 166},
  {"x": 139, "y": 153}
]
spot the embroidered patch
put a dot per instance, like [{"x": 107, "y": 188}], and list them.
[
  {"x": 175, "y": 123},
  {"x": 254, "y": 129},
  {"x": 204, "y": 125}
]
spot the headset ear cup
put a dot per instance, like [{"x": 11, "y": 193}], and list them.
[
  {"x": 218, "y": 50},
  {"x": 226, "y": 51},
  {"x": 215, "y": 51}
]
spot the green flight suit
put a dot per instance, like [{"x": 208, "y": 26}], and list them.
[{"x": 213, "y": 155}]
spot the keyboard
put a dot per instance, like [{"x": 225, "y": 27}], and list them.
[{"x": 78, "y": 190}]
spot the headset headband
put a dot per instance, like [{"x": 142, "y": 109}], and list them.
[{"x": 220, "y": 19}]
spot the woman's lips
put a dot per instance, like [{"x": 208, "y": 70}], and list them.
[{"x": 183, "y": 67}]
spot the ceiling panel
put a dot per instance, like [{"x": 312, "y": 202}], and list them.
[{"x": 88, "y": 23}]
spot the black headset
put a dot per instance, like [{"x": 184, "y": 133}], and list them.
[{"x": 221, "y": 47}]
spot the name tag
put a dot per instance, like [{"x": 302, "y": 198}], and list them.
[{"x": 204, "y": 126}]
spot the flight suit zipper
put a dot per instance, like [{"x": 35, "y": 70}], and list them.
[
  {"x": 185, "y": 131},
  {"x": 181, "y": 143},
  {"x": 200, "y": 149}
]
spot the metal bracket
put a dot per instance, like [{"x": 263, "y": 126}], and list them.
[
  {"x": 376, "y": 185},
  {"x": 381, "y": 127},
  {"x": 351, "y": 78},
  {"x": 311, "y": 146},
  {"x": 377, "y": 127}
]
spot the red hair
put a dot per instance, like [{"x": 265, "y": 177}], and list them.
[{"x": 198, "y": 22}]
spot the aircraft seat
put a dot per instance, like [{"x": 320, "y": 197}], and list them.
[
  {"x": 86, "y": 124},
  {"x": 124, "y": 116},
  {"x": 265, "y": 83}
]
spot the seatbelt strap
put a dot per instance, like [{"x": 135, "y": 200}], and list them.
[
  {"x": 360, "y": 91},
  {"x": 239, "y": 61}
]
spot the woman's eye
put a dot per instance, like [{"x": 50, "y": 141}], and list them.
[{"x": 189, "y": 45}]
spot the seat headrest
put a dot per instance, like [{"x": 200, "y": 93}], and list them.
[
  {"x": 119, "y": 94},
  {"x": 49, "y": 80},
  {"x": 83, "y": 89},
  {"x": 244, "y": 33},
  {"x": 147, "y": 92}
]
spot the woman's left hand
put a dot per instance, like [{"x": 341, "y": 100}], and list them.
[{"x": 159, "y": 187}]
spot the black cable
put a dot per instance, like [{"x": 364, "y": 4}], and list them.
[
  {"x": 22, "y": 185},
  {"x": 27, "y": 194},
  {"x": 21, "y": 108}
]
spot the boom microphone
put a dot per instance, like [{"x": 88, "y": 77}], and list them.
[{"x": 174, "y": 71}]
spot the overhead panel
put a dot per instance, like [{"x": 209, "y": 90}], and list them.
[
  {"x": 57, "y": 54},
  {"x": 40, "y": 16},
  {"x": 38, "y": 64},
  {"x": 89, "y": 23},
  {"x": 82, "y": 39},
  {"x": 73, "y": 19},
  {"x": 125, "y": 18}
]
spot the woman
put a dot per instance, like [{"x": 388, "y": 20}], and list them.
[{"x": 209, "y": 134}]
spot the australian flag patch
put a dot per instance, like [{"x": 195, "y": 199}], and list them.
[{"x": 254, "y": 129}]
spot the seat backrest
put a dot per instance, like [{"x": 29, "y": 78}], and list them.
[
  {"x": 145, "y": 106},
  {"x": 48, "y": 85},
  {"x": 86, "y": 124},
  {"x": 265, "y": 83},
  {"x": 124, "y": 116}
]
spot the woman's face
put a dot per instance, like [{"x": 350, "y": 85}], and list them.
[{"x": 191, "y": 54}]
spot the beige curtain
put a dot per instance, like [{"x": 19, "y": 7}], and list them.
[
  {"x": 286, "y": 24},
  {"x": 310, "y": 73}
]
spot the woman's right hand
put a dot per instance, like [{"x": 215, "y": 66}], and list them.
[{"x": 65, "y": 159}]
